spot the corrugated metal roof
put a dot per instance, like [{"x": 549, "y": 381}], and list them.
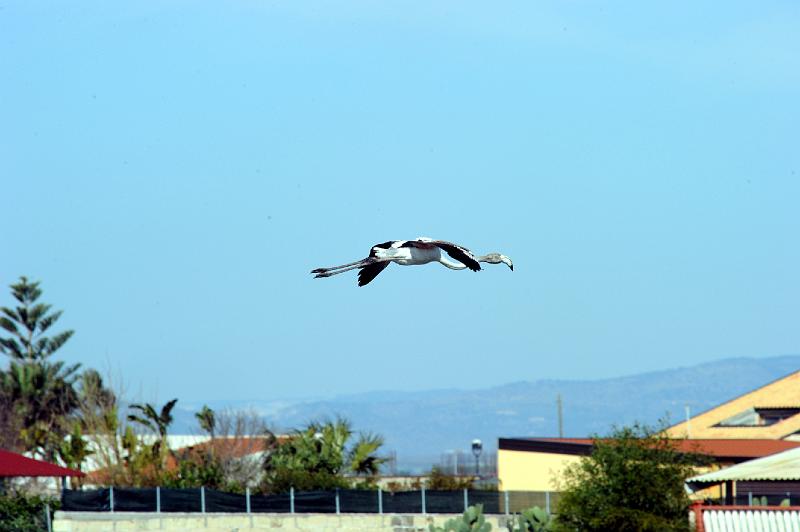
[
  {"x": 751, "y": 520},
  {"x": 781, "y": 466}
]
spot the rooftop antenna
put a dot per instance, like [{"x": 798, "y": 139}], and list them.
[
  {"x": 688, "y": 422},
  {"x": 560, "y": 416}
]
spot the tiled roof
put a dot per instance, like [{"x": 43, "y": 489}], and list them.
[
  {"x": 16, "y": 465},
  {"x": 780, "y": 393},
  {"x": 237, "y": 447}
]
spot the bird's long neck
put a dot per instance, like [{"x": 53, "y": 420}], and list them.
[{"x": 450, "y": 264}]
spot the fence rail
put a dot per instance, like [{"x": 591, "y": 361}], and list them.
[{"x": 202, "y": 500}]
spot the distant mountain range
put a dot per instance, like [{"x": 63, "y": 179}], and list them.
[{"x": 420, "y": 426}]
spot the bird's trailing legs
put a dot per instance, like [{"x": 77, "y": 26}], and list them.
[{"x": 334, "y": 270}]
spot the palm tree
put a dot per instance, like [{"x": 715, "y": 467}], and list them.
[
  {"x": 158, "y": 422},
  {"x": 74, "y": 450},
  {"x": 362, "y": 457},
  {"x": 206, "y": 419}
]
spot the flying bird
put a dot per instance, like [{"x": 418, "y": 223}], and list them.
[{"x": 413, "y": 253}]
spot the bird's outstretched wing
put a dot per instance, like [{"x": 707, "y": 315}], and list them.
[
  {"x": 461, "y": 254},
  {"x": 385, "y": 245},
  {"x": 368, "y": 273}
]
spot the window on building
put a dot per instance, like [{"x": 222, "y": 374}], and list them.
[{"x": 759, "y": 417}]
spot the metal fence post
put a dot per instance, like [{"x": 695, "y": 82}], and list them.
[
  {"x": 291, "y": 500},
  {"x": 337, "y": 501},
  {"x": 158, "y": 499},
  {"x": 423, "y": 501},
  {"x": 247, "y": 498},
  {"x": 466, "y": 500},
  {"x": 47, "y": 517},
  {"x": 505, "y": 500},
  {"x": 202, "y": 499},
  {"x": 380, "y": 501},
  {"x": 111, "y": 498},
  {"x": 547, "y": 502}
]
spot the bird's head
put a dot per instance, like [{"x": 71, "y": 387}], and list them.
[{"x": 497, "y": 258}]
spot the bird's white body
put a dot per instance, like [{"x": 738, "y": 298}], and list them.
[
  {"x": 405, "y": 256},
  {"x": 417, "y": 252}
]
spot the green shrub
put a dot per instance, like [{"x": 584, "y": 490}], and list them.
[
  {"x": 632, "y": 482},
  {"x": 441, "y": 481},
  {"x": 24, "y": 513}
]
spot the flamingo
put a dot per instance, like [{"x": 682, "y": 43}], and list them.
[{"x": 413, "y": 253}]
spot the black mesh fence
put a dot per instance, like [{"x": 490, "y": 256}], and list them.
[
  {"x": 403, "y": 502},
  {"x": 270, "y": 503},
  {"x": 341, "y": 501},
  {"x": 180, "y": 500},
  {"x": 359, "y": 501},
  {"x": 222, "y": 501},
  {"x": 134, "y": 500},
  {"x": 85, "y": 501}
]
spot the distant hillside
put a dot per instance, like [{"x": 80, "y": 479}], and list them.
[{"x": 421, "y": 425}]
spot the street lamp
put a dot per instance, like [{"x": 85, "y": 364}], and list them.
[{"x": 477, "y": 447}]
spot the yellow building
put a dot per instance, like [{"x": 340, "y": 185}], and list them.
[
  {"x": 753, "y": 425},
  {"x": 538, "y": 464},
  {"x": 770, "y": 412}
]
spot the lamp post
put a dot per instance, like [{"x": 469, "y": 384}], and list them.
[{"x": 477, "y": 448}]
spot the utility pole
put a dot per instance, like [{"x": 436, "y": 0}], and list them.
[{"x": 560, "y": 417}]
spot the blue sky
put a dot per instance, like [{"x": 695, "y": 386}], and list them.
[{"x": 172, "y": 170}]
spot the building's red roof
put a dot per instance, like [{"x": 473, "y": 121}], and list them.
[
  {"x": 719, "y": 448},
  {"x": 16, "y": 465},
  {"x": 236, "y": 447}
]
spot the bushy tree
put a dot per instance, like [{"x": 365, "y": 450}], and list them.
[
  {"x": 440, "y": 481},
  {"x": 317, "y": 457},
  {"x": 632, "y": 481}
]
